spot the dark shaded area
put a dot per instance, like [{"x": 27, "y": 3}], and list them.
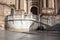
[
  {"x": 56, "y": 27},
  {"x": 34, "y": 10},
  {"x": 6, "y": 18},
  {"x": 6, "y": 22},
  {"x": 58, "y": 12},
  {"x": 40, "y": 28}
]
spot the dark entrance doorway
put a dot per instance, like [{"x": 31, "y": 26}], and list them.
[{"x": 34, "y": 10}]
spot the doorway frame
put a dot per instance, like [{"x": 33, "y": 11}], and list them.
[{"x": 36, "y": 7}]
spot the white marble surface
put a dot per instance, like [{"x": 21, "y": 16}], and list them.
[{"x": 20, "y": 21}]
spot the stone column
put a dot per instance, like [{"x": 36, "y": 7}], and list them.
[
  {"x": 44, "y": 2},
  {"x": 22, "y": 4},
  {"x": 25, "y": 5},
  {"x": 17, "y": 4},
  {"x": 51, "y": 3}
]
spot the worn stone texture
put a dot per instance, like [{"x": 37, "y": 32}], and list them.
[
  {"x": 19, "y": 30},
  {"x": 42, "y": 35},
  {"x": 5, "y": 10},
  {"x": 24, "y": 29}
]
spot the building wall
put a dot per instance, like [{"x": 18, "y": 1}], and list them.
[
  {"x": 4, "y": 11},
  {"x": 26, "y": 5},
  {"x": 22, "y": 6}
]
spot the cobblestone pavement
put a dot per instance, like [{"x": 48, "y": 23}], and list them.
[{"x": 41, "y": 35}]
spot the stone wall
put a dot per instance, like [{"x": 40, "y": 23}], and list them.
[{"x": 4, "y": 11}]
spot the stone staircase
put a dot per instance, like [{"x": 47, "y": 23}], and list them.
[
  {"x": 51, "y": 23},
  {"x": 21, "y": 23}
]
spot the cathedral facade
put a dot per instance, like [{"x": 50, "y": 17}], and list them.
[{"x": 36, "y": 6}]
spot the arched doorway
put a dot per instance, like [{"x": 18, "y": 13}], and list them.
[{"x": 34, "y": 10}]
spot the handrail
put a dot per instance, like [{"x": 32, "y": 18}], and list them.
[{"x": 24, "y": 20}]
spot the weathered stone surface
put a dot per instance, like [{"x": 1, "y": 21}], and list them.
[
  {"x": 4, "y": 11},
  {"x": 18, "y": 30},
  {"x": 32, "y": 27},
  {"x": 21, "y": 24}
]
